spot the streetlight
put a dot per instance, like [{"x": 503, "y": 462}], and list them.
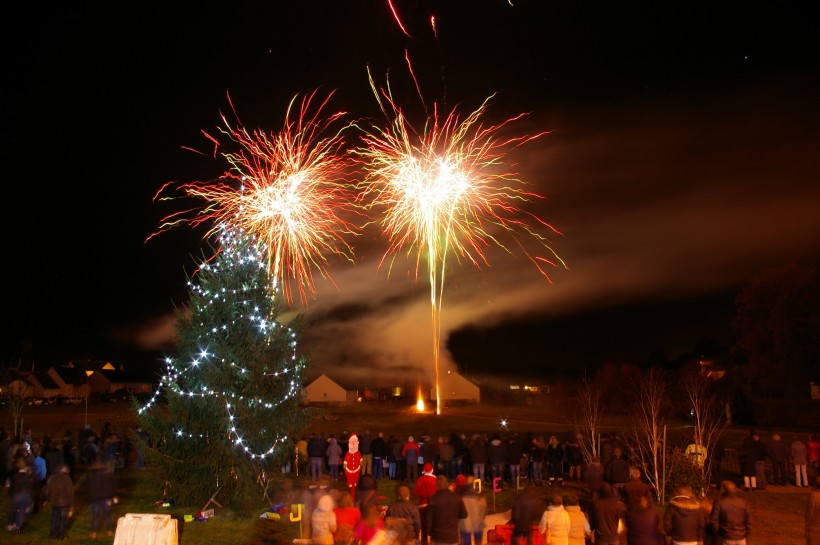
[{"x": 88, "y": 374}]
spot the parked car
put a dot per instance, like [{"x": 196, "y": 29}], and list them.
[
  {"x": 123, "y": 394},
  {"x": 68, "y": 400}
]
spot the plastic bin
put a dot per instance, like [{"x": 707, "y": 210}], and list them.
[{"x": 146, "y": 529}]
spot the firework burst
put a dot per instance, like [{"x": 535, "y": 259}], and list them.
[
  {"x": 448, "y": 189},
  {"x": 288, "y": 189}
]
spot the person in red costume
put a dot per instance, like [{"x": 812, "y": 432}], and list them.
[
  {"x": 353, "y": 464},
  {"x": 425, "y": 488}
]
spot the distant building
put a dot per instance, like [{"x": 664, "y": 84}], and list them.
[
  {"x": 457, "y": 388},
  {"x": 43, "y": 385},
  {"x": 326, "y": 390}
]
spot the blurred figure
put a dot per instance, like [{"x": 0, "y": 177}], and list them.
[
  {"x": 60, "y": 495},
  {"x": 410, "y": 453},
  {"x": 555, "y": 461},
  {"x": 605, "y": 516},
  {"x": 575, "y": 458},
  {"x": 635, "y": 489},
  {"x": 323, "y": 521},
  {"x": 813, "y": 514},
  {"x": 347, "y": 517},
  {"x": 100, "y": 483},
  {"x": 579, "y": 530},
  {"x": 643, "y": 526},
  {"x": 403, "y": 516},
  {"x": 443, "y": 514},
  {"x": 378, "y": 448},
  {"x": 20, "y": 492},
  {"x": 39, "y": 472},
  {"x": 525, "y": 513},
  {"x": 730, "y": 517},
  {"x": 616, "y": 472},
  {"x": 425, "y": 488},
  {"x": 369, "y": 527},
  {"x": 684, "y": 520},
  {"x": 800, "y": 459},
  {"x": 472, "y": 527},
  {"x": 555, "y": 522}
]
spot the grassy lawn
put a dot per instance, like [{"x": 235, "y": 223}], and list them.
[{"x": 777, "y": 513}]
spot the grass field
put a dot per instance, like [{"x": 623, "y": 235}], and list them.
[{"x": 777, "y": 513}]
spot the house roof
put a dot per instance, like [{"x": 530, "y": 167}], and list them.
[
  {"x": 71, "y": 375},
  {"x": 344, "y": 386},
  {"x": 45, "y": 380}
]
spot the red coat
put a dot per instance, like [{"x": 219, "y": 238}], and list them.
[{"x": 426, "y": 486}]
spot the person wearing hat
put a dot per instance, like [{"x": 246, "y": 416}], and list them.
[
  {"x": 353, "y": 464},
  {"x": 472, "y": 527},
  {"x": 424, "y": 489}
]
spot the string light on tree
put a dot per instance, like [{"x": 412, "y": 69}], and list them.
[{"x": 233, "y": 389}]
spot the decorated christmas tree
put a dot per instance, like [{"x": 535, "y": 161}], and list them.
[{"x": 231, "y": 395}]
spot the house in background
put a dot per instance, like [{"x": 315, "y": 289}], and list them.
[
  {"x": 43, "y": 385},
  {"x": 455, "y": 387},
  {"x": 102, "y": 377},
  {"x": 72, "y": 381},
  {"x": 106, "y": 381},
  {"x": 325, "y": 390}
]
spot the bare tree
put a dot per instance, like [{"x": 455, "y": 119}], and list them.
[
  {"x": 590, "y": 396},
  {"x": 651, "y": 414},
  {"x": 708, "y": 417},
  {"x": 17, "y": 393}
]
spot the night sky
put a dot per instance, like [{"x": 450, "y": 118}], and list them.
[{"x": 681, "y": 161}]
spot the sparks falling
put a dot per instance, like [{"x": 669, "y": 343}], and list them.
[
  {"x": 448, "y": 189},
  {"x": 289, "y": 189}
]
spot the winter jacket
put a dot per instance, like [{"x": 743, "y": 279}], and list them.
[
  {"x": 21, "y": 482},
  {"x": 515, "y": 450},
  {"x": 60, "y": 490},
  {"x": 777, "y": 451},
  {"x": 730, "y": 517},
  {"x": 684, "y": 519},
  {"x": 555, "y": 454},
  {"x": 410, "y": 452},
  {"x": 574, "y": 455},
  {"x": 800, "y": 454},
  {"x": 478, "y": 450},
  {"x": 316, "y": 447},
  {"x": 425, "y": 488},
  {"x": 323, "y": 521},
  {"x": 617, "y": 471},
  {"x": 442, "y": 516},
  {"x": 476, "y": 507},
  {"x": 378, "y": 447},
  {"x": 99, "y": 482},
  {"x": 643, "y": 527},
  {"x": 605, "y": 513},
  {"x": 578, "y": 525},
  {"x": 497, "y": 451},
  {"x": 526, "y": 510},
  {"x": 333, "y": 452},
  {"x": 446, "y": 453},
  {"x": 813, "y": 446},
  {"x": 554, "y": 525},
  {"x": 634, "y": 490},
  {"x": 409, "y": 513}
]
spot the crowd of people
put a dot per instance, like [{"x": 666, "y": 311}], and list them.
[
  {"x": 42, "y": 472},
  {"x": 443, "y": 505},
  {"x": 440, "y": 492}
]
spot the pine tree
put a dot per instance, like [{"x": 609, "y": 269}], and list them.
[{"x": 233, "y": 390}]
